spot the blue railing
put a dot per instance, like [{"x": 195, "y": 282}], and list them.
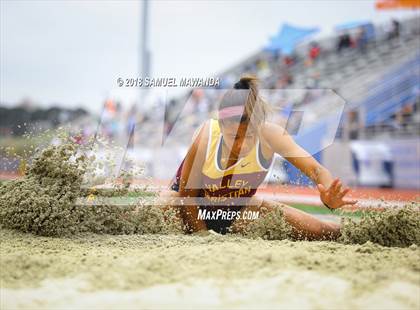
[
  {"x": 397, "y": 89},
  {"x": 387, "y": 96}
]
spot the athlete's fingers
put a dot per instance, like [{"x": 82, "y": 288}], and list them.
[
  {"x": 338, "y": 186},
  {"x": 350, "y": 202},
  {"x": 333, "y": 184},
  {"x": 343, "y": 193}
]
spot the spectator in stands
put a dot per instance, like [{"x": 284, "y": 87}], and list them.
[
  {"x": 353, "y": 124},
  {"x": 263, "y": 68},
  {"x": 285, "y": 80},
  {"x": 405, "y": 116},
  {"x": 361, "y": 39},
  {"x": 344, "y": 42},
  {"x": 110, "y": 119},
  {"x": 288, "y": 60},
  {"x": 314, "y": 51},
  {"x": 395, "y": 30},
  {"x": 131, "y": 120},
  {"x": 200, "y": 105}
]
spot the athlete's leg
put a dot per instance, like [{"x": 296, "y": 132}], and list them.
[{"x": 304, "y": 225}]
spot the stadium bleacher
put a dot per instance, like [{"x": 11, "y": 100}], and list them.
[
  {"x": 352, "y": 74},
  {"x": 376, "y": 82}
]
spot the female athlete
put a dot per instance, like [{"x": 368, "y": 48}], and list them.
[{"x": 230, "y": 157}]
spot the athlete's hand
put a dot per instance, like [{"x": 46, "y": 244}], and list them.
[{"x": 333, "y": 196}]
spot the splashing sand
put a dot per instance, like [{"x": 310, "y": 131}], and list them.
[
  {"x": 107, "y": 271},
  {"x": 272, "y": 226},
  {"x": 399, "y": 227},
  {"x": 44, "y": 201}
]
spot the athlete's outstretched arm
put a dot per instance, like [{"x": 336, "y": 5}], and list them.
[{"x": 331, "y": 191}]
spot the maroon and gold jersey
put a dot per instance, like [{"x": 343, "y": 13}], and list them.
[{"x": 240, "y": 180}]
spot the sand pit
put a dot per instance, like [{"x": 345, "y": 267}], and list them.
[
  {"x": 178, "y": 271},
  {"x": 56, "y": 254}
]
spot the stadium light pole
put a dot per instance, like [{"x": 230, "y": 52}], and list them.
[
  {"x": 144, "y": 62},
  {"x": 144, "y": 68}
]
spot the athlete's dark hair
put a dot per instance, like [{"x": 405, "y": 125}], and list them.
[{"x": 245, "y": 93}]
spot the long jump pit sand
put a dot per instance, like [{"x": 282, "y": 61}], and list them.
[{"x": 56, "y": 254}]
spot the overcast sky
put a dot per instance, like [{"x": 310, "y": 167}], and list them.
[{"x": 71, "y": 52}]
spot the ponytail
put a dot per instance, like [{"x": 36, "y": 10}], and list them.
[{"x": 254, "y": 108}]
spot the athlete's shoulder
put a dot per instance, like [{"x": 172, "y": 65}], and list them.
[
  {"x": 269, "y": 128},
  {"x": 271, "y": 131}
]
